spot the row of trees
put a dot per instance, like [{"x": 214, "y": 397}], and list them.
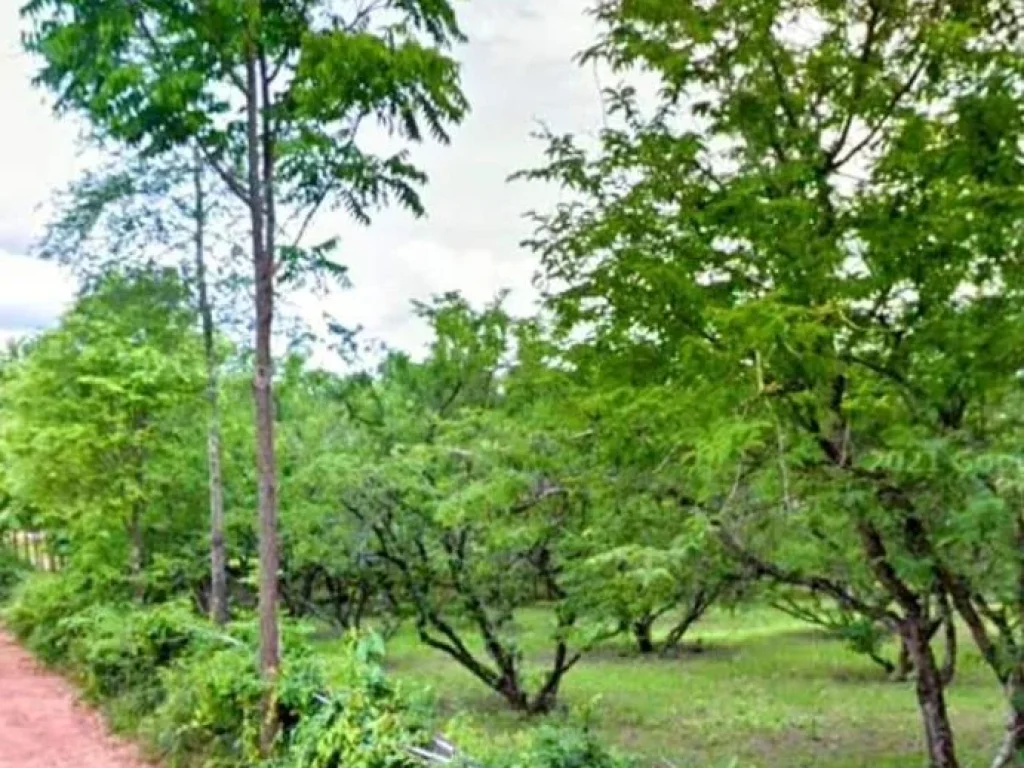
[
  {"x": 781, "y": 337},
  {"x": 270, "y": 97},
  {"x": 449, "y": 492}
]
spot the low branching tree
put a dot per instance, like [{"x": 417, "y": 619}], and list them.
[
  {"x": 464, "y": 524},
  {"x": 813, "y": 240},
  {"x": 864, "y": 634},
  {"x": 471, "y": 497}
]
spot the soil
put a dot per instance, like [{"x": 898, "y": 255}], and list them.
[{"x": 42, "y": 724}]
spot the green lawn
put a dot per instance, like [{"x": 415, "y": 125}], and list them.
[{"x": 766, "y": 691}]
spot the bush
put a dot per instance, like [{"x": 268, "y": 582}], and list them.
[
  {"x": 367, "y": 723},
  {"x": 42, "y": 612},
  {"x": 12, "y": 572},
  {"x": 551, "y": 747},
  {"x": 118, "y": 650},
  {"x": 569, "y": 748},
  {"x": 211, "y": 711},
  {"x": 194, "y": 692},
  {"x": 568, "y": 742}
]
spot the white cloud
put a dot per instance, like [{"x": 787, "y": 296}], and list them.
[
  {"x": 518, "y": 70},
  {"x": 32, "y": 294}
]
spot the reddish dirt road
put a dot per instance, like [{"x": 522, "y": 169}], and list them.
[{"x": 43, "y": 726}]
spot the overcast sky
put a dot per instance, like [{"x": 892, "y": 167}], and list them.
[{"x": 518, "y": 71}]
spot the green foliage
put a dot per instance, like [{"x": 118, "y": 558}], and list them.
[
  {"x": 97, "y": 422},
  {"x": 12, "y": 572},
  {"x": 366, "y": 722},
  {"x": 810, "y": 238},
  {"x": 469, "y": 501},
  {"x": 163, "y": 77},
  {"x": 787, "y": 319},
  {"x": 193, "y": 691},
  {"x": 117, "y": 649},
  {"x": 564, "y": 748},
  {"x": 211, "y": 710},
  {"x": 42, "y": 613},
  {"x": 569, "y": 744}
]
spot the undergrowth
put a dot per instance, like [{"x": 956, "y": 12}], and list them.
[{"x": 191, "y": 693}]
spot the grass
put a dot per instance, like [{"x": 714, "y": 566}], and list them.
[{"x": 766, "y": 691}]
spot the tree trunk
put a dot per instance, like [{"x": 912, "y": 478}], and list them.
[
  {"x": 904, "y": 666},
  {"x": 218, "y": 557},
  {"x": 136, "y": 553},
  {"x": 1011, "y": 751},
  {"x": 931, "y": 698},
  {"x": 263, "y": 269},
  {"x": 512, "y": 691},
  {"x": 643, "y": 635},
  {"x": 948, "y": 671},
  {"x": 696, "y": 608}
]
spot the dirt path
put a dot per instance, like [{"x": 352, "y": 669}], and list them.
[{"x": 43, "y": 726}]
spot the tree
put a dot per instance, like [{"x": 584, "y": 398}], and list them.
[
  {"x": 865, "y": 634},
  {"x": 141, "y": 210},
  {"x": 464, "y": 499},
  {"x": 811, "y": 242},
  {"x": 281, "y": 88},
  {"x": 647, "y": 561},
  {"x": 327, "y": 567},
  {"x": 93, "y": 421}
]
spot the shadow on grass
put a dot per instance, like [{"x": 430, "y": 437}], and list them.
[{"x": 698, "y": 649}]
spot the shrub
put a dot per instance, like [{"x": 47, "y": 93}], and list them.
[
  {"x": 211, "y": 711},
  {"x": 42, "y": 611},
  {"x": 12, "y": 571},
  {"x": 551, "y": 747},
  {"x": 194, "y": 692},
  {"x": 367, "y": 723},
  {"x": 571, "y": 748},
  {"x": 118, "y": 650}
]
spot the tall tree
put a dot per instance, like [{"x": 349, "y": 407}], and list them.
[
  {"x": 280, "y": 88},
  {"x": 218, "y": 555},
  {"x": 811, "y": 244},
  {"x": 93, "y": 420},
  {"x": 140, "y": 211}
]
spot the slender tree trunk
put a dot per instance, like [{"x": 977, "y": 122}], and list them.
[
  {"x": 1011, "y": 751},
  {"x": 218, "y": 558},
  {"x": 931, "y": 698},
  {"x": 904, "y": 666},
  {"x": 263, "y": 267},
  {"x": 695, "y": 609},
  {"x": 948, "y": 671},
  {"x": 136, "y": 552}
]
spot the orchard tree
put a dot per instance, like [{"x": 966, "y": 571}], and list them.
[
  {"x": 812, "y": 245},
  {"x": 279, "y": 88},
  {"x": 464, "y": 492},
  {"x": 647, "y": 561},
  {"x": 465, "y": 525},
  {"x": 327, "y": 568}
]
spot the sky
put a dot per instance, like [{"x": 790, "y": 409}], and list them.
[{"x": 518, "y": 73}]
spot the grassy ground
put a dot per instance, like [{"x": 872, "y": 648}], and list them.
[{"x": 765, "y": 692}]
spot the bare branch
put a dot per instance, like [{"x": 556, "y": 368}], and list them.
[{"x": 859, "y": 81}]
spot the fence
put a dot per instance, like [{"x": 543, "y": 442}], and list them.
[{"x": 33, "y": 548}]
